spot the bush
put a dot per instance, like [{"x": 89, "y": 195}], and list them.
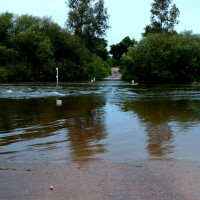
[
  {"x": 18, "y": 73},
  {"x": 161, "y": 58},
  {"x": 96, "y": 68},
  {"x": 3, "y": 75},
  {"x": 127, "y": 68},
  {"x": 32, "y": 47}
]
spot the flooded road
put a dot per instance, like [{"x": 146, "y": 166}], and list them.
[{"x": 108, "y": 120}]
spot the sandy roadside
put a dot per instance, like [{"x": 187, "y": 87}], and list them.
[{"x": 141, "y": 180}]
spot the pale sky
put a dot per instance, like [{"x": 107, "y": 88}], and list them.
[{"x": 127, "y": 17}]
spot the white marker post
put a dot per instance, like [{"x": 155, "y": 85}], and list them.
[
  {"x": 57, "y": 74},
  {"x": 58, "y": 102}
]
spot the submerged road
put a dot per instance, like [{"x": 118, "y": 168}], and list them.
[
  {"x": 109, "y": 140},
  {"x": 139, "y": 180}
]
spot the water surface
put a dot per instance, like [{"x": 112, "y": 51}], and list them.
[{"x": 109, "y": 120}]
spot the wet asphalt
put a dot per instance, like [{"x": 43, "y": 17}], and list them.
[{"x": 139, "y": 180}]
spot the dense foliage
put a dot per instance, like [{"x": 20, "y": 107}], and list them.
[
  {"x": 163, "y": 56},
  {"x": 120, "y": 49},
  {"x": 160, "y": 58},
  {"x": 31, "y": 48}
]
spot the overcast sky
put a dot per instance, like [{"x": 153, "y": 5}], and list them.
[{"x": 127, "y": 17}]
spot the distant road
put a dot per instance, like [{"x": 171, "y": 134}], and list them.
[{"x": 115, "y": 75}]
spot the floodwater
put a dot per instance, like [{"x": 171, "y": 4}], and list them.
[{"x": 108, "y": 120}]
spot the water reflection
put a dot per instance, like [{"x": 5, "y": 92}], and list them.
[
  {"x": 86, "y": 128},
  {"x": 114, "y": 120},
  {"x": 31, "y": 125},
  {"x": 160, "y": 138},
  {"x": 156, "y": 115}
]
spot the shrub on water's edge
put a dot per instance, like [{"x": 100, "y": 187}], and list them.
[
  {"x": 165, "y": 58},
  {"x": 19, "y": 73},
  {"x": 3, "y": 75}
]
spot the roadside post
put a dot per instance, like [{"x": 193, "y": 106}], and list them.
[{"x": 57, "y": 74}]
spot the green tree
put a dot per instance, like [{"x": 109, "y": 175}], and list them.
[
  {"x": 95, "y": 67},
  {"x": 19, "y": 72},
  {"x": 6, "y": 27},
  {"x": 3, "y": 75},
  {"x": 127, "y": 68},
  {"x": 31, "y": 48},
  {"x": 160, "y": 58},
  {"x": 101, "y": 48},
  {"x": 24, "y": 23},
  {"x": 120, "y": 49},
  {"x": 88, "y": 20},
  {"x": 7, "y": 55},
  {"x": 163, "y": 17}
]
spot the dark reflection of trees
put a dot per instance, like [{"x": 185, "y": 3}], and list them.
[
  {"x": 24, "y": 114},
  {"x": 81, "y": 116},
  {"x": 86, "y": 127},
  {"x": 156, "y": 115},
  {"x": 159, "y": 139}
]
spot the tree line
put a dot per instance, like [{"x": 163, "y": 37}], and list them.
[
  {"x": 162, "y": 55},
  {"x": 31, "y": 48}
]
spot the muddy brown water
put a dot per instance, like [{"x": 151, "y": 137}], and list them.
[{"x": 107, "y": 120}]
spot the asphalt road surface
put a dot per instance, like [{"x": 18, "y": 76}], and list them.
[{"x": 140, "y": 180}]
